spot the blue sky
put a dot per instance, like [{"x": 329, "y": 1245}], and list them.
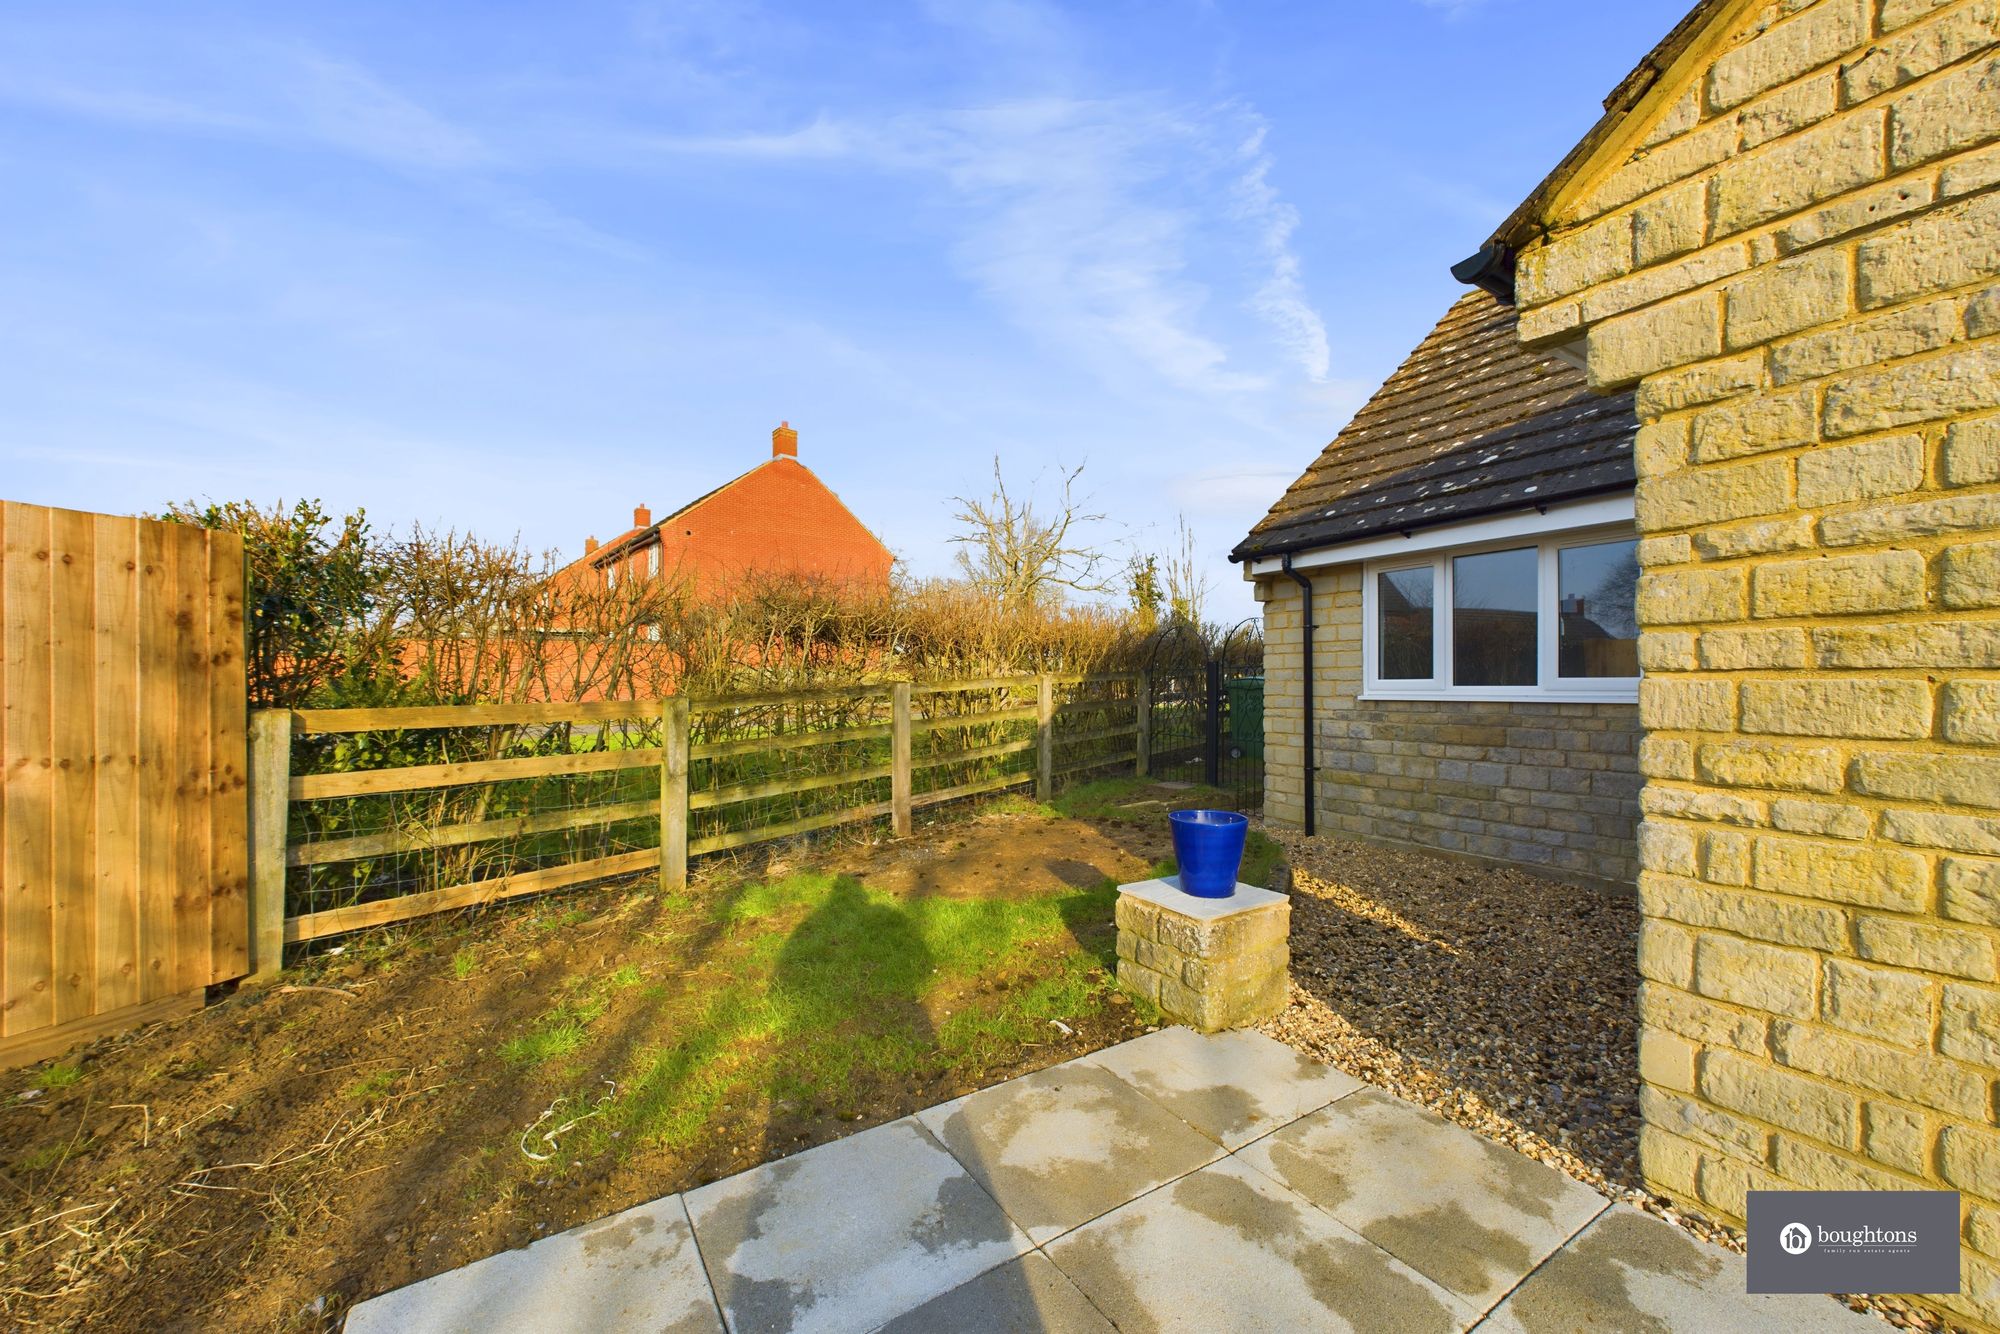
[{"x": 518, "y": 267}]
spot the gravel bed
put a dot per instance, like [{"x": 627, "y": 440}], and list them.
[{"x": 1503, "y": 1001}]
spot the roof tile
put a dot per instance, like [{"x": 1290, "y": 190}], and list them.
[{"x": 1470, "y": 424}]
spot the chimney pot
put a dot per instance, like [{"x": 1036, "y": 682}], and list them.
[
  {"x": 642, "y": 517},
  {"x": 784, "y": 442},
  {"x": 589, "y": 545}
]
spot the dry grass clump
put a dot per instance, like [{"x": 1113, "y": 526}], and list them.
[{"x": 344, "y": 616}]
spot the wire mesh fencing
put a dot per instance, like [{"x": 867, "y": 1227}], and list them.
[{"x": 388, "y": 814}]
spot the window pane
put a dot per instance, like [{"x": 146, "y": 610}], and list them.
[
  {"x": 1403, "y": 602},
  {"x": 1595, "y": 588},
  {"x": 1493, "y": 619}
]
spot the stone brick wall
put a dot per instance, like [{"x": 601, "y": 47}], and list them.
[
  {"x": 1549, "y": 787},
  {"x": 1795, "y": 260}
]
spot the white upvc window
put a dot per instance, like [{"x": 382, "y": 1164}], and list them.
[
  {"x": 1545, "y": 617},
  {"x": 653, "y": 560}
]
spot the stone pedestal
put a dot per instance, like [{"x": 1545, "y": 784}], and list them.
[{"x": 1207, "y": 963}]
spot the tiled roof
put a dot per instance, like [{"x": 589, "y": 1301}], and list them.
[{"x": 1472, "y": 423}]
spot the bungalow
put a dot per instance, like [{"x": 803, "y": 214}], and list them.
[
  {"x": 1778, "y": 255},
  {"x": 1469, "y": 541},
  {"x": 778, "y": 519}
]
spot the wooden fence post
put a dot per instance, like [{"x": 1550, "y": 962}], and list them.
[
  {"x": 899, "y": 756},
  {"x": 674, "y": 795},
  {"x": 270, "y": 807},
  {"x": 1142, "y": 736},
  {"x": 1045, "y": 738}
]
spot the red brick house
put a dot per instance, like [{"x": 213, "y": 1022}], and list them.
[{"x": 777, "y": 519}]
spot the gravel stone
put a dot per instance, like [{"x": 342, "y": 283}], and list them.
[{"x": 1501, "y": 1000}]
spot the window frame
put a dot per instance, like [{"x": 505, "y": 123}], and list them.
[{"x": 1549, "y": 687}]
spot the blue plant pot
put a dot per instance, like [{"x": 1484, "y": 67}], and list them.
[{"x": 1208, "y": 845}]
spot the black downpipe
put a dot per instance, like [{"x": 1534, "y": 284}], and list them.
[{"x": 1306, "y": 760}]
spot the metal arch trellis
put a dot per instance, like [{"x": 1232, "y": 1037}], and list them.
[
  {"x": 1205, "y": 711},
  {"x": 1175, "y": 633},
  {"x": 1223, "y": 647},
  {"x": 1233, "y": 742}
]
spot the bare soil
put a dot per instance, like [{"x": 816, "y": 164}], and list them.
[{"x": 294, "y": 1148}]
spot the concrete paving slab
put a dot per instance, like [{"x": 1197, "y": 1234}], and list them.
[
  {"x": 1629, "y": 1270},
  {"x": 1062, "y": 1146},
  {"x": 636, "y": 1270},
  {"x": 1226, "y": 1248},
  {"x": 848, "y": 1235},
  {"x": 1460, "y": 1209},
  {"x": 1232, "y": 1087},
  {"x": 1020, "y": 1296}
]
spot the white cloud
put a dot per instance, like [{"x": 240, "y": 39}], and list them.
[
  {"x": 1231, "y": 492},
  {"x": 345, "y": 107},
  {"x": 293, "y": 95},
  {"x": 821, "y": 139},
  {"x": 1078, "y": 218},
  {"x": 1281, "y": 301},
  {"x": 1077, "y": 228},
  {"x": 278, "y": 94}
]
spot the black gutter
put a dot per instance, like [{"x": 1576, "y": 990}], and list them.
[
  {"x": 1306, "y": 760},
  {"x": 1491, "y": 270}
]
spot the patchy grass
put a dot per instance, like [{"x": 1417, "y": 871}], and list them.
[
  {"x": 42, "y": 1158},
  {"x": 1135, "y": 801},
  {"x": 827, "y": 990},
  {"x": 1261, "y": 858},
  {"x": 565, "y": 1028},
  {"x": 485, "y": 1079},
  {"x": 557, "y": 1033},
  {"x": 370, "y": 1087},
  {"x": 57, "y": 1076}
]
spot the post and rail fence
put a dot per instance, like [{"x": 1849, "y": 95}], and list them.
[
  {"x": 363, "y": 817},
  {"x": 157, "y": 840}
]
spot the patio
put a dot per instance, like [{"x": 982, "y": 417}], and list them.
[{"x": 1172, "y": 1182}]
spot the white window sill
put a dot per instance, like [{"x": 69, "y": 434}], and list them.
[{"x": 1627, "y": 696}]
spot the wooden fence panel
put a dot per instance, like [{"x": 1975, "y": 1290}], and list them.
[
  {"x": 228, "y": 767},
  {"x": 116, "y": 662},
  {"x": 123, "y": 844},
  {"x": 72, "y": 744},
  {"x": 26, "y": 704},
  {"x": 157, "y": 677}
]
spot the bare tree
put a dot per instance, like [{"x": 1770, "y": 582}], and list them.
[
  {"x": 1022, "y": 556},
  {"x": 1186, "y": 579}
]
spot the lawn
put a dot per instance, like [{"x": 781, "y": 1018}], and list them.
[{"x": 430, "y": 1095}]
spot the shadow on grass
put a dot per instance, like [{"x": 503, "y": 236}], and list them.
[
  {"x": 805, "y": 1007},
  {"x": 866, "y": 995},
  {"x": 741, "y": 1022}
]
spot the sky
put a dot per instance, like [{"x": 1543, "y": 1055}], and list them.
[{"x": 516, "y": 268}]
